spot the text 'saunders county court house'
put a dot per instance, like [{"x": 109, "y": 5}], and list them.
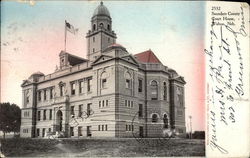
[{"x": 112, "y": 93}]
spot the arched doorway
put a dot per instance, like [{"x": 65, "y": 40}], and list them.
[{"x": 59, "y": 118}]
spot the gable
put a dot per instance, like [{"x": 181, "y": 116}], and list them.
[
  {"x": 25, "y": 82},
  {"x": 102, "y": 58},
  {"x": 180, "y": 79},
  {"x": 130, "y": 59}
]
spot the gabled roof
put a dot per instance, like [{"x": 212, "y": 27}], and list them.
[{"x": 147, "y": 57}]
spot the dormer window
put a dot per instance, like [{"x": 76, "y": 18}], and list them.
[
  {"x": 108, "y": 27},
  {"x": 94, "y": 27}
]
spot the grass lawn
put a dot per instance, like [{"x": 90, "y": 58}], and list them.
[{"x": 101, "y": 147}]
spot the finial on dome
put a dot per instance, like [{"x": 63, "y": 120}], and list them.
[{"x": 101, "y": 3}]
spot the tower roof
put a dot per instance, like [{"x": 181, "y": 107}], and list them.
[
  {"x": 101, "y": 10},
  {"x": 147, "y": 57}
]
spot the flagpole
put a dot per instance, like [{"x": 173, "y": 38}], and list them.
[{"x": 65, "y": 36}]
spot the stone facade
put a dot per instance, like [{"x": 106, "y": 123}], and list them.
[{"x": 110, "y": 94}]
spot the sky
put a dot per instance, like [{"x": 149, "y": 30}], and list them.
[{"x": 32, "y": 36}]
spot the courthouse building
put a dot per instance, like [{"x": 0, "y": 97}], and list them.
[{"x": 112, "y": 93}]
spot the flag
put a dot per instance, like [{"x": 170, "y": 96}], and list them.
[{"x": 70, "y": 27}]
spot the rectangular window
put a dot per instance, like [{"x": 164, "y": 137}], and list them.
[
  {"x": 45, "y": 95},
  {"x": 62, "y": 90},
  {"x": 37, "y": 132},
  {"x": 88, "y": 109},
  {"x": 72, "y": 111},
  {"x": 126, "y": 127},
  {"x": 39, "y": 96},
  {"x": 49, "y": 129},
  {"x": 99, "y": 127},
  {"x": 93, "y": 39},
  {"x": 102, "y": 127},
  {"x": 128, "y": 83},
  {"x": 107, "y": 102},
  {"x": 81, "y": 86},
  {"x": 72, "y": 131},
  {"x": 43, "y": 134},
  {"x": 93, "y": 50},
  {"x": 132, "y": 126},
  {"x": 129, "y": 127},
  {"x": 140, "y": 110},
  {"x": 140, "y": 85},
  {"x": 51, "y": 93},
  {"x": 126, "y": 103},
  {"x": 73, "y": 88},
  {"x": 80, "y": 110},
  {"x": 89, "y": 84},
  {"x": 132, "y": 104},
  {"x": 100, "y": 104},
  {"x": 80, "y": 131},
  {"x": 104, "y": 83},
  {"x": 44, "y": 114},
  {"x": 50, "y": 114},
  {"x": 106, "y": 127},
  {"x": 103, "y": 103},
  {"x": 27, "y": 99},
  {"x": 38, "y": 115}
]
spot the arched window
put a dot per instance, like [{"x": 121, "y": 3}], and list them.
[
  {"x": 108, "y": 27},
  {"x": 101, "y": 25},
  {"x": 154, "y": 90},
  {"x": 154, "y": 118},
  {"x": 164, "y": 91},
  {"x": 165, "y": 121},
  {"x": 180, "y": 96},
  {"x": 104, "y": 77},
  {"x": 94, "y": 27},
  {"x": 128, "y": 80}
]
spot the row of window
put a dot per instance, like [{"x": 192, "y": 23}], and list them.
[
  {"x": 44, "y": 114},
  {"x": 26, "y": 114},
  {"x": 129, "y": 103},
  {"x": 103, "y": 103},
  {"x": 129, "y": 127},
  {"x": 153, "y": 87},
  {"x": 102, "y": 127},
  {"x": 43, "y": 131},
  {"x": 45, "y": 94},
  {"x": 25, "y": 130},
  {"x": 81, "y": 111},
  {"x": 101, "y": 25},
  {"x": 62, "y": 90}
]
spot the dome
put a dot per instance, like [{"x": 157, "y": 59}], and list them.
[
  {"x": 114, "y": 46},
  {"x": 101, "y": 10},
  {"x": 38, "y": 73}
]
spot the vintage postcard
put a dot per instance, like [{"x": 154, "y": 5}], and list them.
[{"x": 124, "y": 79}]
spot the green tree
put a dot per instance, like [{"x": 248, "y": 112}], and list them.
[{"x": 10, "y": 118}]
